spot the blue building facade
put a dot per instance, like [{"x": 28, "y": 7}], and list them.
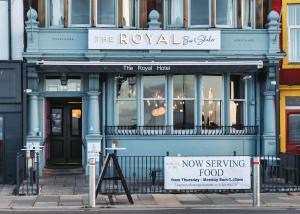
[{"x": 186, "y": 83}]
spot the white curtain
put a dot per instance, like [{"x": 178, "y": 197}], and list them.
[
  {"x": 294, "y": 33},
  {"x": 246, "y": 20},
  {"x": 57, "y": 12},
  {"x": 128, "y": 8},
  {"x": 224, "y": 12},
  {"x": 176, "y": 10}
]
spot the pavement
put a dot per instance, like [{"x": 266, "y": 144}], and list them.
[{"x": 70, "y": 192}]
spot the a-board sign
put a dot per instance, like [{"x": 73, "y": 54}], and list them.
[{"x": 216, "y": 172}]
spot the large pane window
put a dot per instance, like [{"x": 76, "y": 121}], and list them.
[
  {"x": 183, "y": 101},
  {"x": 128, "y": 13},
  {"x": 294, "y": 32},
  {"x": 126, "y": 101},
  {"x": 154, "y": 100},
  {"x": 106, "y": 12},
  {"x": 175, "y": 13},
  {"x": 212, "y": 88},
  {"x": 56, "y": 13},
  {"x": 237, "y": 101},
  {"x": 294, "y": 128},
  {"x": 199, "y": 13},
  {"x": 80, "y": 12},
  {"x": 224, "y": 13}
]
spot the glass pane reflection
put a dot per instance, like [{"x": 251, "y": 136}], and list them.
[
  {"x": 126, "y": 87},
  {"x": 154, "y": 87},
  {"x": 76, "y": 122},
  {"x": 154, "y": 112},
  {"x": 183, "y": 114},
  {"x": 56, "y": 121},
  {"x": 294, "y": 128},
  {"x": 212, "y": 87},
  {"x": 127, "y": 113},
  {"x": 237, "y": 113},
  {"x": 211, "y": 113},
  {"x": 106, "y": 12},
  {"x": 80, "y": 12}
]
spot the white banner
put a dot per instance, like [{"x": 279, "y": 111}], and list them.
[
  {"x": 154, "y": 39},
  {"x": 221, "y": 172}
]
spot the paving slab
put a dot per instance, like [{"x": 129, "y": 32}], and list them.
[
  {"x": 47, "y": 198},
  {"x": 166, "y": 200},
  {"x": 55, "y": 189},
  {"x": 46, "y": 204}
]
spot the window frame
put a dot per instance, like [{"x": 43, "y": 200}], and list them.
[
  {"x": 183, "y": 99},
  {"x": 117, "y": 100},
  {"x": 252, "y": 15},
  {"x": 48, "y": 14},
  {"x": 116, "y": 16},
  {"x": 290, "y": 43},
  {"x": 285, "y": 35},
  {"x": 199, "y": 26},
  {"x": 221, "y": 99},
  {"x": 167, "y": 13},
  {"x": 233, "y": 13},
  {"x": 70, "y": 16},
  {"x": 143, "y": 99},
  {"x": 136, "y": 15},
  {"x": 245, "y": 106}
]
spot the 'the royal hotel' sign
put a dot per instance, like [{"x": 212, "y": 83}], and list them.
[{"x": 154, "y": 39}]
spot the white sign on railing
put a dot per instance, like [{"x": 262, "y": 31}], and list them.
[
  {"x": 220, "y": 172},
  {"x": 154, "y": 39}
]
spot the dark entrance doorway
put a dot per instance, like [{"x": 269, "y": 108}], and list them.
[
  {"x": 293, "y": 131},
  {"x": 65, "y": 136}
]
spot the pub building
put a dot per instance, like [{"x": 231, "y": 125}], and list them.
[{"x": 187, "y": 77}]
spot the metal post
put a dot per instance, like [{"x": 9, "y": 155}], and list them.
[
  {"x": 37, "y": 173},
  {"x": 92, "y": 182},
  {"x": 18, "y": 173},
  {"x": 256, "y": 181}
]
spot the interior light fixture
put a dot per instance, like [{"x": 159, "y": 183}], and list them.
[{"x": 158, "y": 111}]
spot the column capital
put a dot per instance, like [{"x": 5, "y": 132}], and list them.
[{"x": 93, "y": 93}]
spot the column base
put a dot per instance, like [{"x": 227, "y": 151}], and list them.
[{"x": 268, "y": 145}]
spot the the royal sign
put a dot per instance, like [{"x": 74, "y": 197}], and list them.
[
  {"x": 223, "y": 172},
  {"x": 154, "y": 39}
]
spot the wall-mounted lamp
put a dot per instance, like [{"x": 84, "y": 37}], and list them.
[
  {"x": 247, "y": 77},
  {"x": 64, "y": 79}
]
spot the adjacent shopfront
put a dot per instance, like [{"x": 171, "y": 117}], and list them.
[{"x": 185, "y": 92}]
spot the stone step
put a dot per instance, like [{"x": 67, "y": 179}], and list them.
[{"x": 63, "y": 171}]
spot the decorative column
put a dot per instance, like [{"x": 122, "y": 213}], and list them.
[
  {"x": 269, "y": 119},
  {"x": 93, "y": 138}
]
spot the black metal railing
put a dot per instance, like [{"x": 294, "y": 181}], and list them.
[
  {"x": 181, "y": 130},
  {"x": 145, "y": 174},
  {"x": 280, "y": 173},
  {"x": 27, "y": 174}
]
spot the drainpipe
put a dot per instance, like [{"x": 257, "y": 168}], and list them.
[
  {"x": 9, "y": 31},
  {"x": 277, "y": 109}
]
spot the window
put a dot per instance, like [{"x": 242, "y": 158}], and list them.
[
  {"x": 175, "y": 13},
  {"x": 224, "y": 13},
  {"x": 59, "y": 85},
  {"x": 106, "y": 12},
  {"x": 76, "y": 122},
  {"x": 56, "y": 121},
  {"x": 294, "y": 33},
  {"x": 154, "y": 100},
  {"x": 1, "y": 148},
  {"x": 56, "y": 12},
  {"x": 126, "y": 101},
  {"x": 247, "y": 13},
  {"x": 127, "y": 15},
  {"x": 183, "y": 101},
  {"x": 237, "y": 101},
  {"x": 199, "y": 13},
  {"x": 212, "y": 88},
  {"x": 294, "y": 128},
  {"x": 80, "y": 12}
]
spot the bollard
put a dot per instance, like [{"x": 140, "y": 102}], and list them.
[
  {"x": 92, "y": 182},
  {"x": 256, "y": 181}
]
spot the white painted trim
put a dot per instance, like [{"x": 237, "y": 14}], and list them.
[{"x": 259, "y": 63}]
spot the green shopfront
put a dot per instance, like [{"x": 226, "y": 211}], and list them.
[{"x": 185, "y": 91}]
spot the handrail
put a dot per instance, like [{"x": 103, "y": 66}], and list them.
[{"x": 181, "y": 130}]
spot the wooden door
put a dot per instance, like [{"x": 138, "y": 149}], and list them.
[
  {"x": 293, "y": 131},
  {"x": 65, "y": 134}
]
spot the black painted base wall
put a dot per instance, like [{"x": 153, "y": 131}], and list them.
[{"x": 11, "y": 80}]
